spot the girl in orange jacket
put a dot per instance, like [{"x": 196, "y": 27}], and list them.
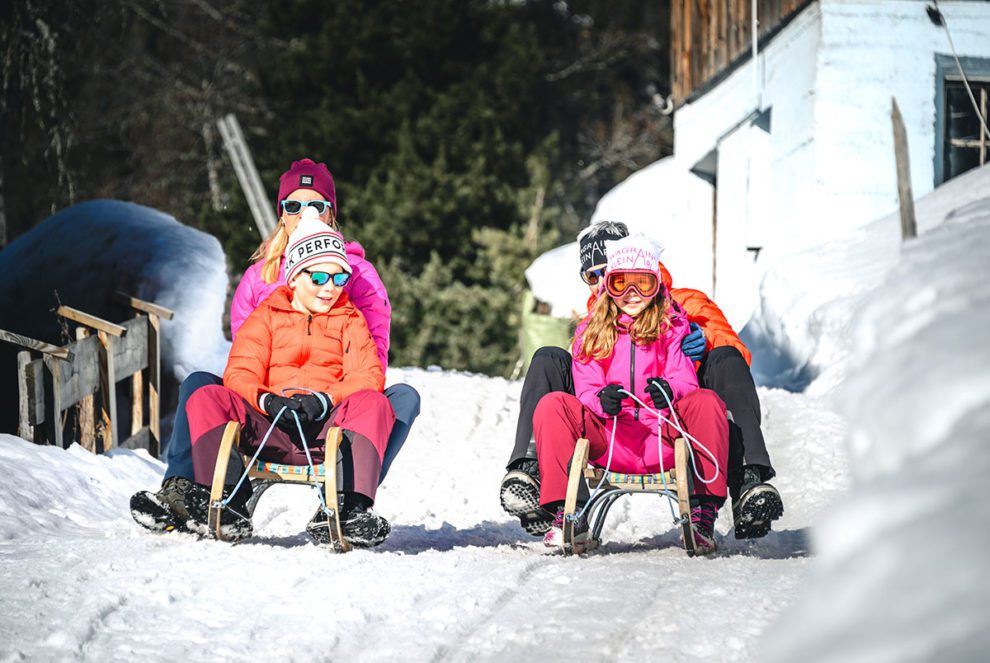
[{"x": 304, "y": 353}]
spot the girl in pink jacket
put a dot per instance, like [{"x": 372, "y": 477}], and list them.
[{"x": 631, "y": 342}]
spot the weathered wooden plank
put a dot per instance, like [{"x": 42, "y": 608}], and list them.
[
  {"x": 24, "y": 428},
  {"x": 86, "y": 409},
  {"x": 143, "y": 306},
  {"x": 154, "y": 383},
  {"x": 55, "y": 420},
  {"x": 33, "y": 344},
  {"x": 91, "y": 321},
  {"x": 35, "y": 379},
  {"x": 137, "y": 402},
  {"x": 131, "y": 351},
  {"x": 108, "y": 382},
  {"x": 909, "y": 225},
  {"x": 81, "y": 376}
]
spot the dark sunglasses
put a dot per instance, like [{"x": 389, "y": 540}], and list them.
[
  {"x": 322, "y": 278},
  {"x": 593, "y": 276},
  {"x": 295, "y": 206}
]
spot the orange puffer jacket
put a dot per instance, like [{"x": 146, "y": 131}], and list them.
[
  {"x": 703, "y": 312},
  {"x": 279, "y": 347}
]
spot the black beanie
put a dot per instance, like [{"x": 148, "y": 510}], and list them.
[{"x": 592, "y": 242}]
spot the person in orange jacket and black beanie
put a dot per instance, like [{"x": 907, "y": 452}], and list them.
[{"x": 722, "y": 361}]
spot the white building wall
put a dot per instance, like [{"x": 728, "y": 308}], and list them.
[{"x": 871, "y": 51}]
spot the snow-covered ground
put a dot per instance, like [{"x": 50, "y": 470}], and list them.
[
  {"x": 880, "y": 556},
  {"x": 457, "y": 579}
]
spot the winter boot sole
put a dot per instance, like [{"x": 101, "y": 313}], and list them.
[
  {"x": 755, "y": 510},
  {"x": 149, "y": 512},
  {"x": 520, "y": 497},
  {"x": 233, "y": 527},
  {"x": 364, "y": 532}
]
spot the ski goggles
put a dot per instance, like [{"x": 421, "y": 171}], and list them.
[
  {"x": 617, "y": 284},
  {"x": 296, "y": 206},
  {"x": 593, "y": 276},
  {"x": 322, "y": 278}
]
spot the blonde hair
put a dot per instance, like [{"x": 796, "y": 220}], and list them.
[
  {"x": 273, "y": 247},
  {"x": 598, "y": 340}
]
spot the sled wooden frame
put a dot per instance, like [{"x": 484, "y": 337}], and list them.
[
  {"x": 264, "y": 475},
  {"x": 675, "y": 484}
]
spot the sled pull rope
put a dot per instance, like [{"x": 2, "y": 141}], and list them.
[
  {"x": 264, "y": 440},
  {"x": 677, "y": 425}
]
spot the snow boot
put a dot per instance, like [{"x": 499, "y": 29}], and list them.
[
  {"x": 164, "y": 511},
  {"x": 755, "y": 505},
  {"x": 359, "y": 524},
  {"x": 703, "y": 528},
  {"x": 235, "y": 519},
  {"x": 520, "y": 497},
  {"x": 554, "y": 538}
]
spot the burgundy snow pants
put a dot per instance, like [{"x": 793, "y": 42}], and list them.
[
  {"x": 560, "y": 420},
  {"x": 365, "y": 417}
]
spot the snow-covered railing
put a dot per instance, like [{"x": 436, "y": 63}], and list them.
[{"x": 71, "y": 375}]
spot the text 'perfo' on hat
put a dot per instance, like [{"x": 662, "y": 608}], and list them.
[
  {"x": 312, "y": 243},
  {"x": 306, "y": 174}
]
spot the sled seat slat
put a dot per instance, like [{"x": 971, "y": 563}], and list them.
[
  {"x": 631, "y": 481},
  {"x": 277, "y": 471}
]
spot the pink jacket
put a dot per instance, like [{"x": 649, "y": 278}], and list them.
[
  {"x": 636, "y": 450},
  {"x": 365, "y": 290}
]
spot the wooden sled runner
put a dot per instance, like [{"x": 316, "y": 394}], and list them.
[
  {"x": 264, "y": 475},
  {"x": 675, "y": 484}
]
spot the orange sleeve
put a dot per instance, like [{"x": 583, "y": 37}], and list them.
[
  {"x": 703, "y": 312},
  {"x": 250, "y": 357},
  {"x": 361, "y": 367}
]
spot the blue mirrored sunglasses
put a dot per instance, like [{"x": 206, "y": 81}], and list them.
[
  {"x": 322, "y": 278},
  {"x": 295, "y": 206},
  {"x": 593, "y": 276}
]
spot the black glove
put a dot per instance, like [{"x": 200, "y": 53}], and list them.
[
  {"x": 611, "y": 399},
  {"x": 273, "y": 404},
  {"x": 312, "y": 408},
  {"x": 656, "y": 388}
]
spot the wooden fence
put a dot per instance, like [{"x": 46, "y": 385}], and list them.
[{"x": 63, "y": 377}]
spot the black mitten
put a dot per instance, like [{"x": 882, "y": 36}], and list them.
[
  {"x": 659, "y": 390},
  {"x": 313, "y": 409},
  {"x": 273, "y": 404},
  {"x": 611, "y": 399}
]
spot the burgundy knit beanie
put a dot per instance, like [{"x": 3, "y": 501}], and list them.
[{"x": 306, "y": 174}]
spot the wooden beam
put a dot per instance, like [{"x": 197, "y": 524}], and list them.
[
  {"x": 55, "y": 420},
  {"x": 909, "y": 225},
  {"x": 154, "y": 384},
  {"x": 91, "y": 321},
  {"x": 86, "y": 409},
  {"x": 143, "y": 306},
  {"x": 108, "y": 385},
  {"x": 32, "y": 344},
  {"x": 24, "y": 428}
]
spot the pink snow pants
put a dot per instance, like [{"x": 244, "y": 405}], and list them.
[
  {"x": 560, "y": 420},
  {"x": 366, "y": 418}
]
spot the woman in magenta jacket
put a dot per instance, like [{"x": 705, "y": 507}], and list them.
[
  {"x": 306, "y": 188},
  {"x": 631, "y": 342}
]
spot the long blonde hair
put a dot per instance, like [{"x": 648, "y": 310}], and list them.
[
  {"x": 272, "y": 249},
  {"x": 598, "y": 340}
]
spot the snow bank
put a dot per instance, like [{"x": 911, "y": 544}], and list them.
[
  {"x": 86, "y": 252},
  {"x": 799, "y": 331},
  {"x": 903, "y": 572}
]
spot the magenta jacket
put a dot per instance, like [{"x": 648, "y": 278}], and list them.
[
  {"x": 636, "y": 450},
  {"x": 365, "y": 290}
]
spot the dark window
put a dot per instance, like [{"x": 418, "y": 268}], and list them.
[{"x": 961, "y": 143}]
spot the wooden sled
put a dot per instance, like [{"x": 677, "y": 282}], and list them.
[
  {"x": 675, "y": 484},
  {"x": 264, "y": 475}
]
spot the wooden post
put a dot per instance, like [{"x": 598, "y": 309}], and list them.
[
  {"x": 24, "y": 428},
  {"x": 909, "y": 225},
  {"x": 247, "y": 174},
  {"x": 108, "y": 385},
  {"x": 137, "y": 402},
  {"x": 55, "y": 368},
  {"x": 87, "y": 410},
  {"x": 154, "y": 385}
]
